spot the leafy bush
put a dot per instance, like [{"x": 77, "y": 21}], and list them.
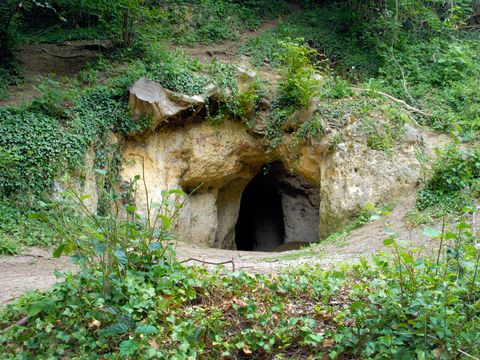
[
  {"x": 8, "y": 247},
  {"x": 455, "y": 180},
  {"x": 419, "y": 306},
  {"x": 299, "y": 82},
  {"x": 438, "y": 74},
  {"x": 17, "y": 230}
]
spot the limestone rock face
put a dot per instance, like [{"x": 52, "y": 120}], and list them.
[
  {"x": 300, "y": 203},
  {"x": 328, "y": 186},
  {"x": 354, "y": 176},
  {"x": 221, "y": 158}
]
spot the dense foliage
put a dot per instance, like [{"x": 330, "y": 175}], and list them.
[
  {"x": 130, "y": 297},
  {"x": 138, "y": 302},
  {"x": 455, "y": 182},
  {"x": 421, "y": 52}
]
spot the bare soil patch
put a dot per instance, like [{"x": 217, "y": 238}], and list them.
[
  {"x": 55, "y": 61},
  {"x": 33, "y": 269}
]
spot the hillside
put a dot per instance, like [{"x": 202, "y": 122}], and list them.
[{"x": 239, "y": 179}]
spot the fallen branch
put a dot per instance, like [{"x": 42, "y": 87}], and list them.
[
  {"x": 404, "y": 83},
  {"x": 20, "y": 322},
  {"x": 398, "y": 101},
  {"x": 63, "y": 56},
  {"x": 34, "y": 256},
  {"x": 211, "y": 263},
  {"x": 468, "y": 355}
]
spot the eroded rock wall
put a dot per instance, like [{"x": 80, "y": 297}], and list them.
[
  {"x": 332, "y": 183},
  {"x": 222, "y": 158}
]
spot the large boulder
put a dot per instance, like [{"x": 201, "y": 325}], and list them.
[{"x": 148, "y": 99}]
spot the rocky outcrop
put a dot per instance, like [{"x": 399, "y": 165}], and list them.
[
  {"x": 149, "y": 99},
  {"x": 328, "y": 185},
  {"x": 221, "y": 158},
  {"x": 354, "y": 176}
]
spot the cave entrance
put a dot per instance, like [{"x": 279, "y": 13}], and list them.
[
  {"x": 278, "y": 211},
  {"x": 260, "y": 225}
]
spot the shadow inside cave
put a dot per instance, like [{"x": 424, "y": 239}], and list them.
[
  {"x": 277, "y": 209},
  {"x": 260, "y": 225}
]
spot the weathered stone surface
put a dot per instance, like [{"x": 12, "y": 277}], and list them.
[
  {"x": 332, "y": 186},
  {"x": 300, "y": 203},
  {"x": 149, "y": 99},
  {"x": 354, "y": 175},
  {"x": 222, "y": 157},
  {"x": 228, "y": 206}
]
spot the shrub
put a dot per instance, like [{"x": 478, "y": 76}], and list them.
[
  {"x": 455, "y": 180},
  {"x": 299, "y": 82}
]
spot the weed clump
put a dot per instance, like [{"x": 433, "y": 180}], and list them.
[{"x": 454, "y": 182}]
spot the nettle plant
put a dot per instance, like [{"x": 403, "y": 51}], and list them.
[
  {"x": 122, "y": 241},
  {"x": 299, "y": 82}
]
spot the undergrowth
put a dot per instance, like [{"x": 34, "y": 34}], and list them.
[
  {"x": 139, "y": 302},
  {"x": 207, "y": 21},
  {"x": 454, "y": 182},
  {"x": 424, "y": 59}
]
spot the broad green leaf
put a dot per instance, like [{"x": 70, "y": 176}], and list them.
[
  {"x": 128, "y": 347},
  {"x": 154, "y": 246},
  {"x": 121, "y": 256},
  {"x": 130, "y": 208},
  {"x": 431, "y": 232},
  {"x": 146, "y": 329},
  {"x": 166, "y": 221},
  {"x": 44, "y": 204},
  {"x": 176, "y": 191},
  {"x": 357, "y": 305},
  {"x": 59, "y": 251},
  {"x": 406, "y": 257},
  {"x": 388, "y": 241},
  {"x": 115, "y": 329},
  {"x": 99, "y": 247},
  {"x": 38, "y": 216},
  {"x": 463, "y": 226}
]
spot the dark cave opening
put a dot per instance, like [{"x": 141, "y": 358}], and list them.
[{"x": 260, "y": 225}]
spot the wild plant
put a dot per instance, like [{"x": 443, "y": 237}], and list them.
[
  {"x": 422, "y": 305},
  {"x": 124, "y": 239}
]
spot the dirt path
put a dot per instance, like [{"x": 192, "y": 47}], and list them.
[{"x": 34, "y": 269}]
